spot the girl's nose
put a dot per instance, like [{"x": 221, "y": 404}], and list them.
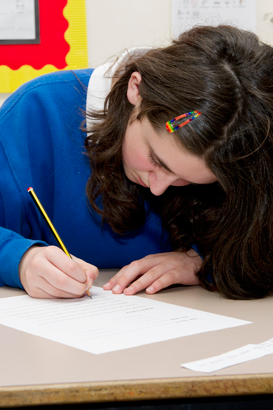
[{"x": 159, "y": 182}]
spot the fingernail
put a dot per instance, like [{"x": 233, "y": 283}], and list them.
[
  {"x": 116, "y": 288},
  {"x": 89, "y": 284},
  {"x": 150, "y": 289},
  {"x": 130, "y": 289}
]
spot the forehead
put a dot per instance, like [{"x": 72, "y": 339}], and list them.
[{"x": 172, "y": 152}]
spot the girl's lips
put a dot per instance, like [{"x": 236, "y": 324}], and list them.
[{"x": 141, "y": 182}]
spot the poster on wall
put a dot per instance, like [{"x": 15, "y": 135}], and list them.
[
  {"x": 188, "y": 13},
  {"x": 19, "y": 22},
  {"x": 61, "y": 42}
]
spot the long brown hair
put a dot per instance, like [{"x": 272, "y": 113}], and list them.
[{"x": 227, "y": 74}]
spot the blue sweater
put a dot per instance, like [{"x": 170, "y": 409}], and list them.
[{"x": 41, "y": 145}]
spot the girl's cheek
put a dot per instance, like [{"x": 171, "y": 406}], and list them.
[{"x": 140, "y": 162}]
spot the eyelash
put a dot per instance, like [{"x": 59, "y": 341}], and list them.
[{"x": 153, "y": 161}]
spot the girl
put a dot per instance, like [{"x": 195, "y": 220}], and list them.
[{"x": 169, "y": 200}]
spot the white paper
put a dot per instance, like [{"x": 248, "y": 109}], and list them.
[
  {"x": 17, "y": 20},
  {"x": 187, "y": 13},
  {"x": 107, "y": 322},
  {"x": 241, "y": 355}
]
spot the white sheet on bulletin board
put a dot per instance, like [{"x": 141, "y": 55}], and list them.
[
  {"x": 188, "y": 13},
  {"x": 17, "y": 20}
]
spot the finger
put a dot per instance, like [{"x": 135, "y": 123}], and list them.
[
  {"x": 129, "y": 274},
  {"x": 112, "y": 282},
  {"x": 91, "y": 271},
  {"x": 148, "y": 262},
  {"x": 134, "y": 270},
  {"x": 39, "y": 294},
  {"x": 44, "y": 290},
  {"x": 168, "y": 279},
  {"x": 65, "y": 264},
  {"x": 53, "y": 292},
  {"x": 61, "y": 281},
  {"x": 146, "y": 279}
]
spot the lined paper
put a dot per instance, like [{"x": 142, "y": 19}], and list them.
[{"x": 107, "y": 322}]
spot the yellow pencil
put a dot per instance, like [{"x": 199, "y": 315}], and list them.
[{"x": 50, "y": 224}]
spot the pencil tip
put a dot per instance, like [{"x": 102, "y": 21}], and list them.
[{"x": 88, "y": 293}]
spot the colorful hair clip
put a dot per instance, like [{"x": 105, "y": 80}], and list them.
[{"x": 171, "y": 127}]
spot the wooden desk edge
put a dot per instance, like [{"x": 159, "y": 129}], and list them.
[{"x": 117, "y": 391}]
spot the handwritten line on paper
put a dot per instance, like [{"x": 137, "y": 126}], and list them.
[
  {"x": 241, "y": 355},
  {"x": 107, "y": 322}
]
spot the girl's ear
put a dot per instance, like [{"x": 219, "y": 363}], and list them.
[{"x": 133, "y": 88}]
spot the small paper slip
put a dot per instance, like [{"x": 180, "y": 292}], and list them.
[{"x": 241, "y": 355}]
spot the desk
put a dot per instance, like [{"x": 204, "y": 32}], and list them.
[{"x": 38, "y": 371}]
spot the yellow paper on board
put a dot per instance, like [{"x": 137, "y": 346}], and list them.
[{"x": 77, "y": 57}]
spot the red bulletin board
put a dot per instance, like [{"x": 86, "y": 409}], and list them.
[{"x": 63, "y": 45}]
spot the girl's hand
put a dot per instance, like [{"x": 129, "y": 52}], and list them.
[
  {"x": 156, "y": 272},
  {"x": 47, "y": 272}
]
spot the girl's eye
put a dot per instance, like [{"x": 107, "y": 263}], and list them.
[{"x": 153, "y": 161}]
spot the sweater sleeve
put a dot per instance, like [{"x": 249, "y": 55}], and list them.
[
  {"x": 34, "y": 121},
  {"x": 12, "y": 248},
  {"x": 15, "y": 230}
]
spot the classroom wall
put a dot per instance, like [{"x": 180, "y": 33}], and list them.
[
  {"x": 114, "y": 25},
  {"x": 117, "y": 24}
]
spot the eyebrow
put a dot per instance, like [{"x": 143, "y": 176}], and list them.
[{"x": 162, "y": 163}]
